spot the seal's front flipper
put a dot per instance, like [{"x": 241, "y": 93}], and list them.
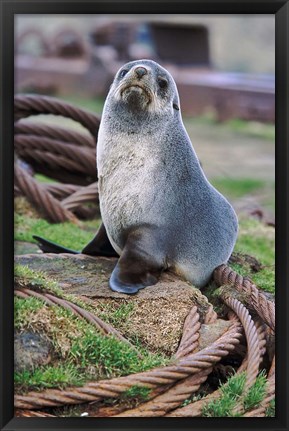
[
  {"x": 100, "y": 245},
  {"x": 51, "y": 247},
  {"x": 140, "y": 264}
]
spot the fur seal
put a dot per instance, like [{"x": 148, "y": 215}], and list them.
[{"x": 158, "y": 209}]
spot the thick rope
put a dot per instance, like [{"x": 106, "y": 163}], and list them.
[
  {"x": 254, "y": 354},
  {"x": 80, "y": 196},
  {"x": 19, "y": 413},
  {"x": 195, "y": 409},
  {"x": 57, "y": 133},
  {"x": 52, "y": 161},
  {"x": 63, "y": 175},
  {"x": 211, "y": 316},
  {"x": 63, "y": 154},
  {"x": 171, "y": 399},
  {"x": 190, "y": 338},
  {"x": 263, "y": 306},
  {"x": 26, "y": 105},
  {"x": 41, "y": 198},
  {"x": 29, "y": 148},
  {"x": 61, "y": 191}
]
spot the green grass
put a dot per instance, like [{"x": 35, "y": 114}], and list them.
[
  {"x": 81, "y": 352},
  {"x": 25, "y": 277},
  {"x": 139, "y": 392},
  {"x": 111, "y": 356},
  {"x": 67, "y": 234},
  {"x": 30, "y": 278},
  {"x": 265, "y": 279},
  {"x": 48, "y": 376},
  {"x": 237, "y": 187},
  {"x": 23, "y": 309},
  {"x": 256, "y": 393},
  {"x": 251, "y": 129},
  {"x": 95, "y": 105},
  {"x": 116, "y": 316},
  {"x": 232, "y": 393},
  {"x": 270, "y": 411},
  {"x": 44, "y": 179},
  {"x": 131, "y": 397},
  {"x": 258, "y": 241}
]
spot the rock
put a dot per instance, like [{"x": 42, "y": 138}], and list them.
[
  {"x": 30, "y": 351},
  {"x": 158, "y": 312},
  {"x": 210, "y": 333},
  {"x": 85, "y": 275}
]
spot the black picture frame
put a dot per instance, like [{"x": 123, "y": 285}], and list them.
[{"x": 8, "y": 9}]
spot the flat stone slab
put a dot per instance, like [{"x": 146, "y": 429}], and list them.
[
  {"x": 89, "y": 276},
  {"x": 158, "y": 311}
]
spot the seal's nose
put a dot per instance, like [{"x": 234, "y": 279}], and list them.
[{"x": 140, "y": 71}]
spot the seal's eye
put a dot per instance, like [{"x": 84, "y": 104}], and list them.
[
  {"x": 163, "y": 83},
  {"x": 123, "y": 73}
]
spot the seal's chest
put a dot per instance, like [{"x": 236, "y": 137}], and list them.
[
  {"x": 126, "y": 183},
  {"x": 124, "y": 161},
  {"x": 122, "y": 171}
]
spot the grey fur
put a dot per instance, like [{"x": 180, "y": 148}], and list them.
[{"x": 150, "y": 175}]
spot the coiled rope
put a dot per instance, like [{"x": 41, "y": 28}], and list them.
[
  {"x": 60, "y": 153},
  {"x": 257, "y": 299}
]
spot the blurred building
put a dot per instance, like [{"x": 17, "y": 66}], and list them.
[{"x": 83, "y": 59}]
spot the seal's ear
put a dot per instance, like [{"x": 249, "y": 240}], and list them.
[
  {"x": 138, "y": 266},
  {"x": 176, "y": 106}
]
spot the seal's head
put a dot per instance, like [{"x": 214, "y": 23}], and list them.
[{"x": 144, "y": 86}]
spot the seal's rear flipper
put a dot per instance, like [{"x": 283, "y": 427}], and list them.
[
  {"x": 100, "y": 245},
  {"x": 51, "y": 247},
  {"x": 139, "y": 265}
]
